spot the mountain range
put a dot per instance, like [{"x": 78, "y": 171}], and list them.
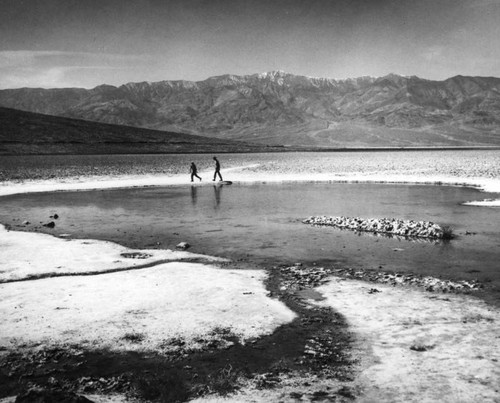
[{"x": 279, "y": 108}]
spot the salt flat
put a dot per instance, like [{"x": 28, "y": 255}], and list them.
[{"x": 411, "y": 345}]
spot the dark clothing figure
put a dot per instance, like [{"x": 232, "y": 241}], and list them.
[
  {"x": 194, "y": 171},
  {"x": 217, "y": 169}
]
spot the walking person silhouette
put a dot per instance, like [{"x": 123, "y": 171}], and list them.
[
  {"x": 194, "y": 171},
  {"x": 217, "y": 169}
]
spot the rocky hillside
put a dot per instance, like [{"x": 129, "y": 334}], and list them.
[
  {"x": 281, "y": 108},
  {"x": 32, "y": 133}
]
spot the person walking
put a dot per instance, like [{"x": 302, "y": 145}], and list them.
[
  {"x": 194, "y": 171},
  {"x": 217, "y": 169}
]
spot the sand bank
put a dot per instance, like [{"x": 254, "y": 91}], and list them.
[{"x": 255, "y": 173}]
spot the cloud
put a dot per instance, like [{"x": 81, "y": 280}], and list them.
[
  {"x": 18, "y": 57},
  {"x": 11, "y": 58},
  {"x": 432, "y": 53},
  {"x": 29, "y": 77},
  {"x": 49, "y": 69}
]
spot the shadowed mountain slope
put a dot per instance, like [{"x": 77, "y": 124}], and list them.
[
  {"x": 281, "y": 108},
  {"x": 32, "y": 133}
]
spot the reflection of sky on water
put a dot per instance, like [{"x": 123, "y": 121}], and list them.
[{"x": 263, "y": 223}]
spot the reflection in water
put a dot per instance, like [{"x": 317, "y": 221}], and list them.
[
  {"x": 217, "y": 194},
  {"x": 421, "y": 240},
  {"x": 194, "y": 195},
  {"x": 217, "y": 191}
]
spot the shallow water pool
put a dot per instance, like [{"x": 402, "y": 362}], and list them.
[{"x": 262, "y": 223}]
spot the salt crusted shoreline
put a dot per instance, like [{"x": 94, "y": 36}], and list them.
[
  {"x": 255, "y": 173},
  {"x": 412, "y": 345},
  {"x": 409, "y": 342}
]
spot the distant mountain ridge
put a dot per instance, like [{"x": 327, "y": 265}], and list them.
[{"x": 282, "y": 108}]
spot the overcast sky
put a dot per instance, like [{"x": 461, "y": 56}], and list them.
[{"x": 85, "y": 43}]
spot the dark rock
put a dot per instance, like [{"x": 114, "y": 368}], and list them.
[
  {"x": 346, "y": 392},
  {"x": 136, "y": 255},
  {"x": 420, "y": 348},
  {"x": 319, "y": 394},
  {"x": 51, "y": 224}
]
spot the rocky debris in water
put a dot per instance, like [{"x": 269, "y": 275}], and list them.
[
  {"x": 393, "y": 226},
  {"x": 427, "y": 282},
  {"x": 103, "y": 385},
  {"x": 135, "y": 255},
  {"x": 51, "y": 224},
  {"x": 296, "y": 278},
  {"x": 421, "y": 348},
  {"x": 177, "y": 348},
  {"x": 323, "y": 348},
  {"x": 182, "y": 245},
  {"x": 346, "y": 392},
  {"x": 266, "y": 380},
  {"x": 44, "y": 363}
]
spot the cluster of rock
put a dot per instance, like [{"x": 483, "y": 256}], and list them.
[
  {"x": 136, "y": 255},
  {"x": 427, "y": 282},
  {"x": 298, "y": 278},
  {"x": 103, "y": 385},
  {"x": 392, "y": 226}
]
